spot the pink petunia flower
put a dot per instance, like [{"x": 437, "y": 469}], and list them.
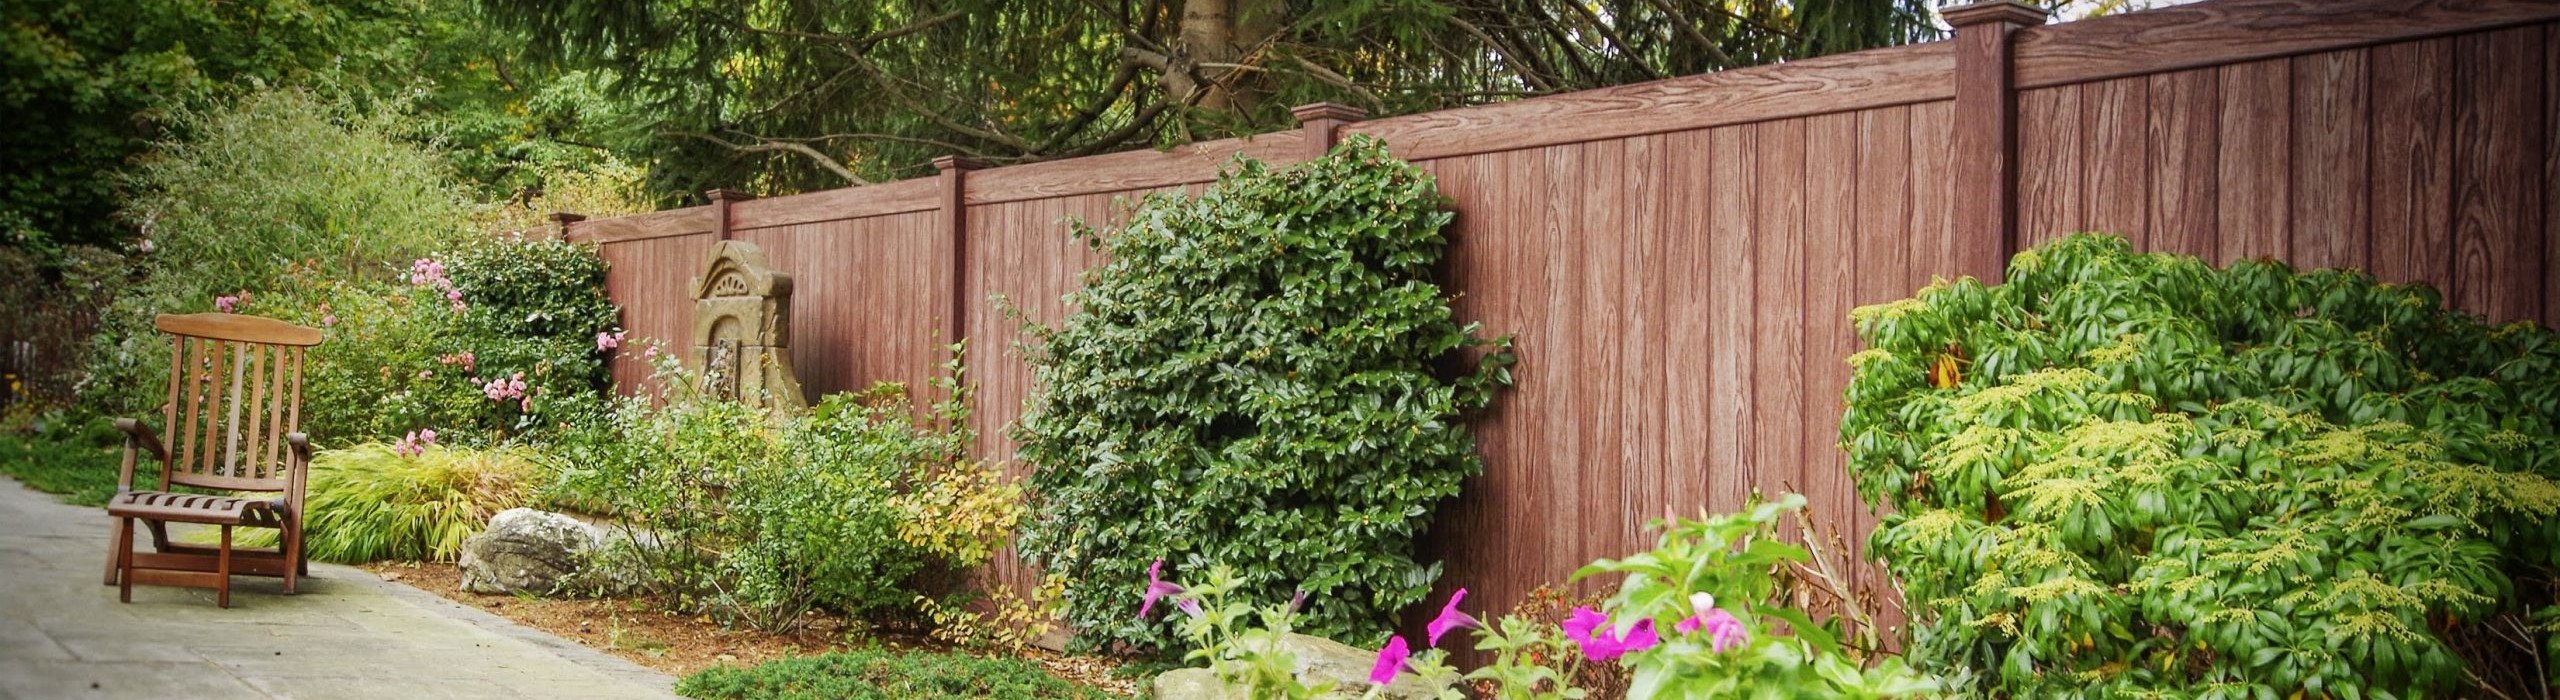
[
  {"x": 1390, "y": 660},
  {"x": 226, "y": 303},
  {"x": 1157, "y": 589},
  {"x": 1450, "y": 617},
  {"x": 1600, "y": 642},
  {"x": 1191, "y": 607}
]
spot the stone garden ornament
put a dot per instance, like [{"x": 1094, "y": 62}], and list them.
[{"x": 741, "y": 340}]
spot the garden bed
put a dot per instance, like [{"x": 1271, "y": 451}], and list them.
[{"x": 682, "y": 646}]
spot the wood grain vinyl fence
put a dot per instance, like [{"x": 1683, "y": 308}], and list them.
[{"x": 1678, "y": 258}]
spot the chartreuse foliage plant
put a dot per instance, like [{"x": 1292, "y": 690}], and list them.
[
  {"x": 1256, "y": 379},
  {"x": 2137, "y": 475},
  {"x": 408, "y": 502}
]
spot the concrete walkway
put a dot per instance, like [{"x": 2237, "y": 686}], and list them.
[{"x": 349, "y": 634}]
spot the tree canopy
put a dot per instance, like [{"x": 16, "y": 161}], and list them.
[{"x": 802, "y": 94}]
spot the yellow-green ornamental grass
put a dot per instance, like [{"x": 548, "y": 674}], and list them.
[{"x": 379, "y": 501}]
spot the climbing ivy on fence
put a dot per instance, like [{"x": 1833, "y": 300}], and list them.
[
  {"x": 1256, "y": 379},
  {"x": 2130, "y": 475}
]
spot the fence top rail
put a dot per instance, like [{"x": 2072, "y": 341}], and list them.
[
  {"x": 1837, "y": 83},
  {"x": 2222, "y": 32}
]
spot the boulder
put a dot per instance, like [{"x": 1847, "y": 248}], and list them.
[
  {"x": 1319, "y": 660},
  {"x": 538, "y": 552}
]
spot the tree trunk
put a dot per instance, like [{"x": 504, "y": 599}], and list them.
[{"x": 1221, "y": 33}]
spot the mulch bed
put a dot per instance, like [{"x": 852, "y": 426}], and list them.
[{"x": 680, "y": 645}]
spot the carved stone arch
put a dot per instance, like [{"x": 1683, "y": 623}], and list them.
[{"x": 741, "y": 341}]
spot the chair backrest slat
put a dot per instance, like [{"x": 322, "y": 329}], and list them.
[
  {"x": 235, "y": 391},
  {"x": 192, "y": 409}
]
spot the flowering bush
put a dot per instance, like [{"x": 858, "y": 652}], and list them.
[
  {"x": 2129, "y": 473},
  {"x": 1255, "y": 380},
  {"x": 757, "y": 520},
  {"x": 496, "y": 344}
]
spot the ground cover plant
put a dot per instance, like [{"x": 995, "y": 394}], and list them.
[
  {"x": 2130, "y": 475},
  {"x": 1254, "y": 380},
  {"x": 875, "y": 674}
]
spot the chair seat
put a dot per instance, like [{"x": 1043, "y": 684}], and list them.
[{"x": 197, "y": 508}]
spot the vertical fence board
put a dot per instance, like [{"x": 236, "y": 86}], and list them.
[
  {"x": 1933, "y": 233},
  {"x": 2412, "y": 154},
  {"x": 1831, "y": 215},
  {"x": 1733, "y": 249},
  {"x": 2185, "y": 120},
  {"x": 2115, "y": 165},
  {"x": 1597, "y": 225},
  {"x": 1643, "y": 375},
  {"x": 2050, "y": 135},
  {"x": 1886, "y": 186},
  {"x": 1778, "y": 384},
  {"x": 2255, "y": 160},
  {"x": 1559, "y": 413},
  {"x": 1690, "y": 351},
  {"x": 2497, "y": 235},
  {"x": 2331, "y": 117}
]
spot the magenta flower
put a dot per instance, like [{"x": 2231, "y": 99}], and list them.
[
  {"x": 1390, "y": 660},
  {"x": 1191, "y": 607},
  {"x": 226, "y": 303},
  {"x": 1600, "y": 642},
  {"x": 1725, "y": 632},
  {"x": 606, "y": 342},
  {"x": 1157, "y": 589},
  {"x": 1450, "y": 617}
]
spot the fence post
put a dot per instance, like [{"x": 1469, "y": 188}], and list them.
[
  {"x": 1986, "y": 138},
  {"x": 955, "y": 217},
  {"x": 560, "y": 221},
  {"x": 1322, "y": 124},
  {"x": 721, "y": 199}
]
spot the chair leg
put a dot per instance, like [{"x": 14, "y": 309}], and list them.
[
  {"x": 124, "y": 559},
  {"x": 291, "y": 538},
  {"x": 222, "y": 571},
  {"x": 118, "y": 540}
]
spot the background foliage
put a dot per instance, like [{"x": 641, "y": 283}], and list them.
[
  {"x": 1253, "y": 381},
  {"x": 801, "y": 94},
  {"x": 2141, "y": 474}
]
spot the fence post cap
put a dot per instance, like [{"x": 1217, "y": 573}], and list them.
[
  {"x": 950, "y": 163},
  {"x": 1328, "y": 111},
  {"x": 562, "y": 217},
  {"x": 726, "y": 194},
  {"x": 2010, "y": 11}
]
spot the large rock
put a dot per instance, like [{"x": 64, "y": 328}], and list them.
[
  {"x": 538, "y": 552},
  {"x": 1319, "y": 660}
]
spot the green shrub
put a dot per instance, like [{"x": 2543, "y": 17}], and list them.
[
  {"x": 757, "y": 520},
  {"x": 420, "y": 352},
  {"x": 2141, "y": 475},
  {"x": 374, "y": 502},
  {"x": 873, "y": 674},
  {"x": 1253, "y": 380},
  {"x": 280, "y": 185}
]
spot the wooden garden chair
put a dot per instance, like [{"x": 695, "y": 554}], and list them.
[{"x": 233, "y": 425}]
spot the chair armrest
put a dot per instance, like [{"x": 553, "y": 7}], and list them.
[
  {"x": 140, "y": 434},
  {"x": 301, "y": 444}
]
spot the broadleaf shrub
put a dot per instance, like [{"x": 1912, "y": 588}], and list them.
[
  {"x": 2138, "y": 475},
  {"x": 1254, "y": 380}
]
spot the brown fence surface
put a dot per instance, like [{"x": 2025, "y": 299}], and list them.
[{"x": 1678, "y": 258}]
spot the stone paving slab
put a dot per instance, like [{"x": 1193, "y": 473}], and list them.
[{"x": 348, "y": 634}]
